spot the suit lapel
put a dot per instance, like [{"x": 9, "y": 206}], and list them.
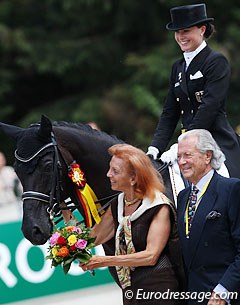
[
  {"x": 194, "y": 66},
  {"x": 197, "y": 62},
  {"x": 206, "y": 205},
  {"x": 182, "y": 205},
  {"x": 184, "y": 81}
]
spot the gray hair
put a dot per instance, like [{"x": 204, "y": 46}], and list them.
[{"x": 205, "y": 143}]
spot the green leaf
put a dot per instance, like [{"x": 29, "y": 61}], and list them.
[
  {"x": 91, "y": 245},
  {"x": 92, "y": 240},
  {"x": 68, "y": 261},
  {"x": 84, "y": 258},
  {"x": 54, "y": 263},
  {"x": 66, "y": 268}
]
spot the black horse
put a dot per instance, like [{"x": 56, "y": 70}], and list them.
[{"x": 44, "y": 153}]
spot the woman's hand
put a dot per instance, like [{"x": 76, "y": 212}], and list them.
[{"x": 96, "y": 261}]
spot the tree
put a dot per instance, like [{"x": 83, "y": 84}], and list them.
[{"x": 105, "y": 61}]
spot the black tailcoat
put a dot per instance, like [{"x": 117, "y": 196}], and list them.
[{"x": 198, "y": 96}]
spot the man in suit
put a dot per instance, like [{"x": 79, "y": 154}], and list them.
[
  {"x": 198, "y": 87},
  {"x": 208, "y": 221}
]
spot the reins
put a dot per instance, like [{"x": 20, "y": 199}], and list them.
[{"x": 72, "y": 207}]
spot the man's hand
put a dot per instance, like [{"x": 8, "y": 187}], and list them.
[{"x": 216, "y": 300}]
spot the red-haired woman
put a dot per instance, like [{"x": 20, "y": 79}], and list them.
[{"x": 141, "y": 219}]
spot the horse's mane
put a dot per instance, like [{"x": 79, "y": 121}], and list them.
[{"x": 86, "y": 128}]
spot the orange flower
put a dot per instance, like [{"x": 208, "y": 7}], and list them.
[
  {"x": 63, "y": 251},
  {"x": 68, "y": 244}
]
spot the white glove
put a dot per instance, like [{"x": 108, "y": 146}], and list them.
[
  {"x": 170, "y": 156},
  {"x": 153, "y": 151}
]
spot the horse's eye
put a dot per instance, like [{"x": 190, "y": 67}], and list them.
[{"x": 48, "y": 167}]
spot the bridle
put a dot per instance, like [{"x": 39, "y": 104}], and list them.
[{"x": 53, "y": 199}]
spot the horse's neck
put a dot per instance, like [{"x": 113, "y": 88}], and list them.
[
  {"x": 82, "y": 144},
  {"x": 92, "y": 158}
]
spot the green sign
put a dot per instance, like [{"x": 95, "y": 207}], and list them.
[{"x": 25, "y": 273}]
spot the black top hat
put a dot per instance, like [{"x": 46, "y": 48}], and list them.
[{"x": 187, "y": 16}]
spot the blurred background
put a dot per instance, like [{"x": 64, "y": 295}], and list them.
[{"x": 102, "y": 61}]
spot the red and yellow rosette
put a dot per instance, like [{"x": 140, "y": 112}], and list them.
[
  {"x": 85, "y": 193},
  {"x": 76, "y": 175}
]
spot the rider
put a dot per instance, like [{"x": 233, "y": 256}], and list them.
[{"x": 198, "y": 88}]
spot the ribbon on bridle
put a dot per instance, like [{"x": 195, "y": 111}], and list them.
[
  {"x": 91, "y": 205},
  {"x": 85, "y": 193}
]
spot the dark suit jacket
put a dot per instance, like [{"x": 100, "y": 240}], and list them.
[
  {"x": 198, "y": 96},
  {"x": 212, "y": 252}
]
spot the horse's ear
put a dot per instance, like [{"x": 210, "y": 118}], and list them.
[
  {"x": 45, "y": 127},
  {"x": 11, "y": 130}
]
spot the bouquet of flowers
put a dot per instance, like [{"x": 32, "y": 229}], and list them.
[{"x": 68, "y": 244}]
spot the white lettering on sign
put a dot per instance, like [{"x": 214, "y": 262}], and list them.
[
  {"x": 23, "y": 267},
  {"x": 5, "y": 274}
]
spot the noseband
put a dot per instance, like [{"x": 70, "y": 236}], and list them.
[{"x": 53, "y": 199}]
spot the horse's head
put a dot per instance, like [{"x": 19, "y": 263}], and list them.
[
  {"x": 35, "y": 164},
  {"x": 42, "y": 163}
]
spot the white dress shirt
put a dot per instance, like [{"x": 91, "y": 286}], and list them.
[{"x": 188, "y": 56}]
